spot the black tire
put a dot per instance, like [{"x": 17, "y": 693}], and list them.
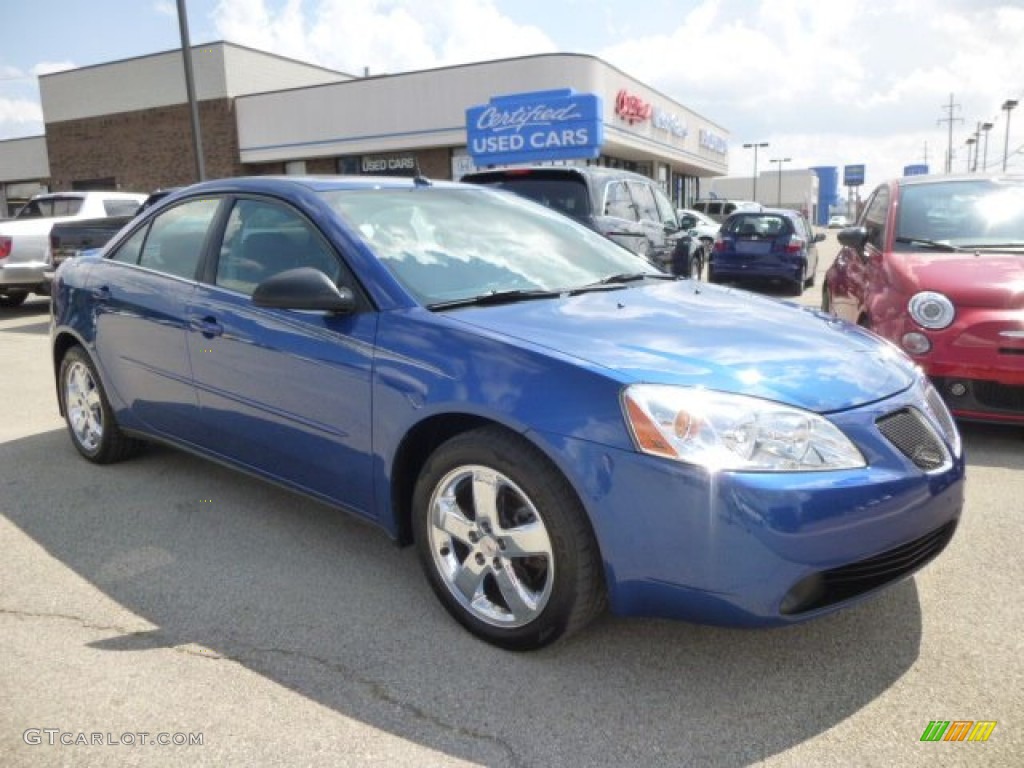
[
  {"x": 524, "y": 551},
  {"x": 87, "y": 412},
  {"x": 13, "y": 299}
]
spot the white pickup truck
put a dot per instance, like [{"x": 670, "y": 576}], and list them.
[{"x": 25, "y": 239}]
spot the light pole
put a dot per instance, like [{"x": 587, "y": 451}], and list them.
[
  {"x": 1008, "y": 105},
  {"x": 755, "y": 147},
  {"x": 985, "y": 128},
  {"x": 780, "y": 161},
  {"x": 970, "y": 143}
]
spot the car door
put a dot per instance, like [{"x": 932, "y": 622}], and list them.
[
  {"x": 141, "y": 291},
  {"x": 859, "y": 271},
  {"x": 284, "y": 393},
  {"x": 661, "y": 235}
]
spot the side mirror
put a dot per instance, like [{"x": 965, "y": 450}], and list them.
[
  {"x": 303, "y": 288},
  {"x": 819, "y": 237},
  {"x": 853, "y": 237}
]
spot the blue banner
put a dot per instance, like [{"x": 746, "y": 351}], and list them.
[
  {"x": 915, "y": 170},
  {"x": 535, "y": 127},
  {"x": 853, "y": 175}
]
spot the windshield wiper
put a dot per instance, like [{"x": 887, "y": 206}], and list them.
[
  {"x": 939, "y": 245},
  {"x": 496, "y": 297},
  {"x": 632, "y": 277},
  {"x": 991, "y": 246}
]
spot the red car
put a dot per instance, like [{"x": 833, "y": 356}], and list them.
[{"x": 935, "y": 264}]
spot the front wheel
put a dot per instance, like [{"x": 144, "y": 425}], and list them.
[
  {"x": 505, "y": 542},
  {"x": 88, "y": 414}
]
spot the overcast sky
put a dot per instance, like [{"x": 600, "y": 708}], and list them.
[{"x": 824, "y": 82}]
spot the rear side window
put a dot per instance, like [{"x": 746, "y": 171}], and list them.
[
  {"x": 619, "y": 203},
  {"x": 175, "y": 241},
  {"x": 50, "y": 206},
  {"x": 120, "y": 207}
]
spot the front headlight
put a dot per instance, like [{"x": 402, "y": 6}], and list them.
[
  {"x": 931, "y": 310},
  {"x": 721, "y": 431}
]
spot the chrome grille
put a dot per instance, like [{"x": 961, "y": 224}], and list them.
[{"x": 915, "y": 438}]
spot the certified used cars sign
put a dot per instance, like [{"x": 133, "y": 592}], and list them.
[{"x": 532, "y": 127}]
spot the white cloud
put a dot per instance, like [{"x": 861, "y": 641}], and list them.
[
  {"x": 49, "y": 67},
  {"x": 20, "y": 117},
  {"x": 382, "y": 35}
]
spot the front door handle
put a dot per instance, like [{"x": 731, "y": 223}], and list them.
[{"x": 208, "y": 326}]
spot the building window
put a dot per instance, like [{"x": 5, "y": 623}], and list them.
[{"x": 295, "y": 168}]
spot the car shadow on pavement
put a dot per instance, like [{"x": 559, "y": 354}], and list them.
[{"x": 326, "y": 606}]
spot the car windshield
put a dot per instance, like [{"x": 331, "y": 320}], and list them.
[
  {"x": 449, "y": 244},
  {"x": 975, "y": 213}
]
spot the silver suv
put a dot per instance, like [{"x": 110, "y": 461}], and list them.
[{"x": 720, "y": 210}]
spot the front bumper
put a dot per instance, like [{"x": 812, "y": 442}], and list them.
[{"x": 760, "y": 549}]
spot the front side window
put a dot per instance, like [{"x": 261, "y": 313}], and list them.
[
  {"x": 175, "y": 241},
  {"x": 874, "y": 217},
  {"x": 644, "y": 199},
  {"x": 666, "y": 211},
  {"x": 264, "y": 238}
]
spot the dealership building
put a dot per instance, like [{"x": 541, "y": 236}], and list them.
[{"x": 127, "y": 124}]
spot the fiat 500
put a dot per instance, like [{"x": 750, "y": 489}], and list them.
[{"x": 556, "y": 425}]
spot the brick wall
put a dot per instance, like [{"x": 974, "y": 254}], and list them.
[
  {"x": 152, "y": 148},
  {"x": 143, "y": 150}
]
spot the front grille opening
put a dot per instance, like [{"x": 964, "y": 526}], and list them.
[
  {"x": 1002, "y": 396},
  {"x": 826, "y": 588},
  {"x": 914, "y": 438}
]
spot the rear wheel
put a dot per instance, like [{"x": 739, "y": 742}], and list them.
[
  {"x": 504, "y": 541},
  {"x": 13, "y": 298},
  {"x": 88, "y": 414}
]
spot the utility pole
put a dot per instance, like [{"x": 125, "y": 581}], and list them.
[
  {"x": 950, "y": 119},
  {"x": 190, "y": 90},
  {"x": 755, "y": 146}
]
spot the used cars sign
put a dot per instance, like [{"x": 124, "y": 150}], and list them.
[{"x": 533, "y": 127}]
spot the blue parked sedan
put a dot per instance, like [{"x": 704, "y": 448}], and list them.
[
  {"x": 555, "y": 424},
  {"x": 772, "y": 244}
]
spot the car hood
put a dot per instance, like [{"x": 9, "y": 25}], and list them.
[
  {"x": 969, "y": 280},
  {"x": 693, "y": 334}
]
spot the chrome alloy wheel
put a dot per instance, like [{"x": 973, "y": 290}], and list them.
[
  {"x": 83, "y": 406},
  {"x": 490, "y": 546}
]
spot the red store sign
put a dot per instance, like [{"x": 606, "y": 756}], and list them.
[{"x": 632, "y": 108}]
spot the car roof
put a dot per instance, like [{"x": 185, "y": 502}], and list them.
[
  {"x": 909, "y": 181},
  {"x": 312, "y": 183},
  {"x": 594, "y": 172}
]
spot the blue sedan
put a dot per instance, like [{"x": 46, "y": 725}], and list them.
[{"x": 555, "y": 424}]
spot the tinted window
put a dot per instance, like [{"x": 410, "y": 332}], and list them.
[
  {"x": 565, "y": 195},
  {"x": 666, "y": 212},
  {"x": 757, "y": 225},
  {"x": 618, "y": 202},
  {"x": 262, "y": 239},
  {"x": 120, "y": 207},
  {"x": 50, "y": 206},
  {"x": 128, "y": 252},
  {"x": 175, "y": 241}
]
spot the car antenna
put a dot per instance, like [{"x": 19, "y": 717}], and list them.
[{"x": 419, "y": 179}]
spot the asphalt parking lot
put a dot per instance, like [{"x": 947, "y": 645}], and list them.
[{"x": 170, "y": 597}]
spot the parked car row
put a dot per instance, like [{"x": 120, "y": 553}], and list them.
[
  {"x": 24, "y": 239},
  {"x": 557, "y": 425}
]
